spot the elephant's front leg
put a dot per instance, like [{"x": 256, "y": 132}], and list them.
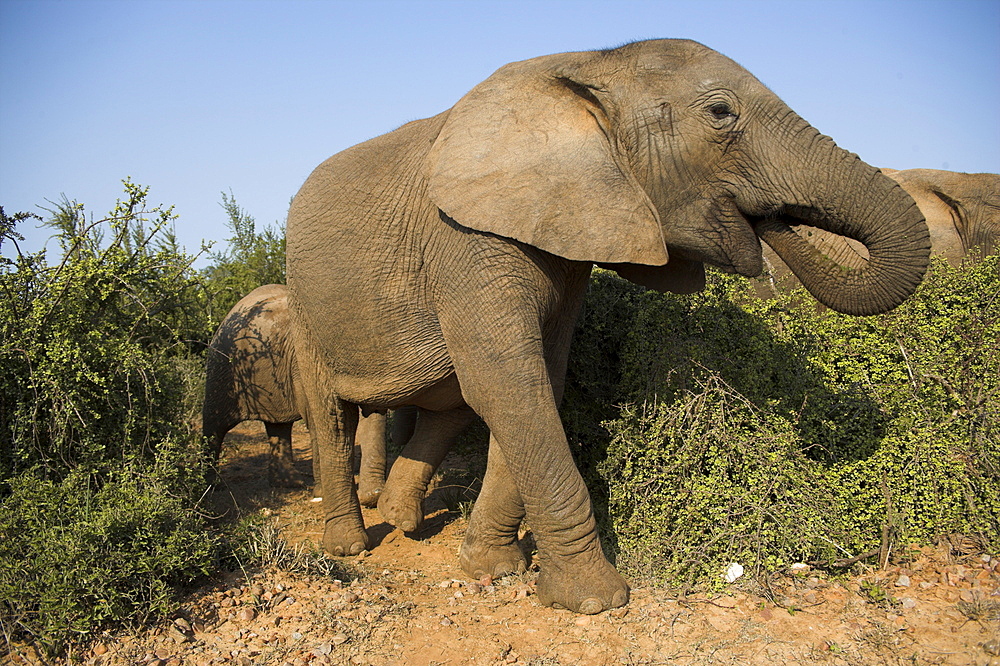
[
  {"x": 401, "y": 503},
  {"x": 281, "y": 468},
  {"x": 490, "y": 547},
  {"x": 511, "y": 389}
]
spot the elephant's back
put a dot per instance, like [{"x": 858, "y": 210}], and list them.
[
  {"x": 249, "y": 363},
  {"x": 357, "y": 234}
]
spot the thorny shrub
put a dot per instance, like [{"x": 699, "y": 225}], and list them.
[{"x": 720, "y": 428}]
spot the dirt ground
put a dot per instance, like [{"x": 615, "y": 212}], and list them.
[{"x": 407, "y": 602}]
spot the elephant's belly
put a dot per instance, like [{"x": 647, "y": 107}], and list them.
[{"x": 382, "y": 393}]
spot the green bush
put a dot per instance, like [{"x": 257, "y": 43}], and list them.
[
  {"x": 720, "y": 428},
  {"x": 252, "y": 258},
  {"x": 100, "y": 465}
]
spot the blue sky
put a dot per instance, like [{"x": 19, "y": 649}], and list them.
[{"x": 194, "y": 98}]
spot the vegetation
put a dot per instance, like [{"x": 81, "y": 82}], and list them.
[
  {"x": 711, "y": 429},
  {"x": 101, "y": 461},
  {"x": 731, "y": 429}
]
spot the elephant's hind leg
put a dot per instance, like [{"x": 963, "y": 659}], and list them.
[
  {"x": 334, "y": 428},
  {"x": 401, "y": 503},
  {"x": 371, "y": 475}
]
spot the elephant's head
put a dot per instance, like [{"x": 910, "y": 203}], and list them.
[
  {"x": 966, "y": 204},
  {"x": 661, "y": 155}
]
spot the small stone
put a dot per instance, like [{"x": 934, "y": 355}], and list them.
[
  {"x": 992, "y": 647},
  {"x": 350, "y": 597},
  {"x": 458, "y": 594},
  {"x": 733, "y": 571},
  {"x": 799, "y": 568},
  {"x": 246, "y": 615},
  {"x": 486, "y": 581},
  {"x": 456, "y": 583},
  {"x": 810, "y": 598},
  {"x": 323, "y": 649},
  {"x": 582, "y": 621},
  {"x": 967, "y": 596},
  {"x": 926, "y": 585},
  {"x": 178, "y": 635},
  {"x": 445, "y": 583},
  {"x": 296, "y": 636},
  {"x": 474, "y": 588},
  {"x": 908, "y": 602},
  {"x": 903, "y": 581},
  {"x": 446, "y": 622},
  {"x": 339, "y": 639},
  {"x": 619, "y": 613}
]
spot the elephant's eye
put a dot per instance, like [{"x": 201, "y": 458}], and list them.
[{"x": 721, "y": 111}]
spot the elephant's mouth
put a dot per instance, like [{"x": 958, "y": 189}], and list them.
[{"x": 727, "y": 240}]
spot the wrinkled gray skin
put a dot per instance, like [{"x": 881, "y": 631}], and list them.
[
  {"x": 461, "y": 246},
  {"x": 962, "y": 211},
  {"x": 251, "y": 376}
]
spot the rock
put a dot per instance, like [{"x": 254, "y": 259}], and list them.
[
  {"x": 908, "y": 602},
  {"x": 474, "y": 588},
  {"x": 992, "y": 647},
  {"x": 323, "y": 649},
  {"x": 733, "y": 572},
  {"x": 246, "y": 615},
  {"x": 339, "y": 639},
  {"x": 903, "y": 581}
]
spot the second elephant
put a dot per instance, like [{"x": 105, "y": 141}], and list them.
[{"x": 251, "y": 374}]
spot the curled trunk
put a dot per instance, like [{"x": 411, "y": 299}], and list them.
[{"x": 858, "y": 202}]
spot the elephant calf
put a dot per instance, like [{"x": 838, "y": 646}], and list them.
[{"x": 252, "y": 375}]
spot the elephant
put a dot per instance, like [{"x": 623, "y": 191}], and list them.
[
  {"x": 962, "y": 211},
  {"x": 251, "y": 374},
  {"x": 461, "y": 246}
]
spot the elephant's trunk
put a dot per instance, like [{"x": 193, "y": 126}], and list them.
[{"x": 850, "y": 198}]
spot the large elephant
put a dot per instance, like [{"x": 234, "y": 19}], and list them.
[
  {"x": 251, "y": 374},
  {"x": 461, "y": 246},
  {"x": 962, "y": 212}
]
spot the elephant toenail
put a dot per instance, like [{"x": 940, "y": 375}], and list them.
[
  {"x": 357, "y": 547},
  {"x": 620, "y": 599},
  {"x": 591, "y": 606}
]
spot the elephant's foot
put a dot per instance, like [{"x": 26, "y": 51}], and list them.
[
  {"x": 369, "y": 491},
  {"x": 583, "y": 584},
  {"x": 402, "y": 507},
  {"x": 343, "y": 541},
  {"x": 480, "y": 559}
]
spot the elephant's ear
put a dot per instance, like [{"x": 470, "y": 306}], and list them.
[{"x": 526, "y": 155}]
